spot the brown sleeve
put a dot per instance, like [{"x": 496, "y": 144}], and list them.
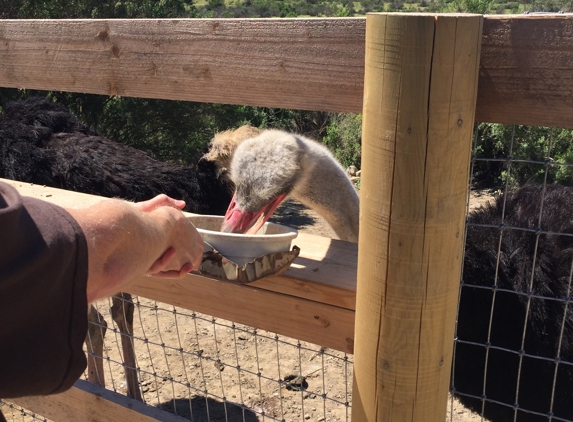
[{"x": 43, "y": 305}]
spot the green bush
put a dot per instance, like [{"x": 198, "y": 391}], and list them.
[
  {"x": 523, "y": 154},
  {"x": 344, "y": 138},
  {"x": 467, "y": 6}
]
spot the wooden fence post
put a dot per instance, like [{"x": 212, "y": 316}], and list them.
[{"x": 420, "y": 91}]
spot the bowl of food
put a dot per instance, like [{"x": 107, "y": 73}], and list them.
[{"x": 243, "y": 248}]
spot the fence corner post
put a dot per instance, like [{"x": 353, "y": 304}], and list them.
[{"x": 420, "y": 90}]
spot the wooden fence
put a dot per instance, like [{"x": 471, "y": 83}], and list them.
[{"x": 417, "y": 66}]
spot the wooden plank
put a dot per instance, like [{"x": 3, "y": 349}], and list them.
[
  {"x": 293, "y": 63},
  {"x": 419, "y": 104},
  {"x": 325, "y": 270},
  {"x": 311, "y": 64},
  {"x": 526, "y": 75},
  {"x": 315, "y": 322},
  {"x": 313, "y": 301},
  {"x": 61, "y": 197},
  {"x": 87, "y": 402}
]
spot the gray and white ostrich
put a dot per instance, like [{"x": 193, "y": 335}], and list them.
[
  {"x": 274, "y": 164},
  {"x": 41, "y": 142},
  {"x": 530, "y": 344}
]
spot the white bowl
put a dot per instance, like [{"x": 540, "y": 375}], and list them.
[{"x": 243, "y": 248}]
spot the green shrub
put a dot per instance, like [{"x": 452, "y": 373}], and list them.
[
  {"x": 343, "y": 138},
  {"x": 523, "y": 154},
  {"x": 467, "y": 6}
]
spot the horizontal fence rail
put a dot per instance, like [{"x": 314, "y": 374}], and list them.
[
  {"x": 291, "y": 63},
  {"x": 314, "y": 64},
  {"x": 86, "y": 402}
]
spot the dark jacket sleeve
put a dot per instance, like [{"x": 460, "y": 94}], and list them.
[{"x": 43, "y": 304}]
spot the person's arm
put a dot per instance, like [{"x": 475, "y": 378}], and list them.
[{"x": 127, "y": 240}]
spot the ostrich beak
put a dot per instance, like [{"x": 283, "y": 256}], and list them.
[{"x": 239, "y": 221}]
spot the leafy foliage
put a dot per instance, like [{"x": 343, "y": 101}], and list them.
[
  {"x": 468, "y": 6},
  {"x": 343, "y": 138},
  {"x": 69, "y": 9},
  {"x": 523, "y": 154}
]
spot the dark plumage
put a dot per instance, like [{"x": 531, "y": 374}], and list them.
[
  {"x": 42, "y": 142},
  {"x": 551, "y": 275}
]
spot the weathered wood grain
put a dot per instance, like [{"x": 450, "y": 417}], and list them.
[
  {"x": 294, "y": 63},
  {"x": 315, "y": 322},
  {"x": 87, "y": 402},
  {"x": 311, "y": 64},
  {"x": 420, "y": 95},
  {"x": 526, "y": 72}
]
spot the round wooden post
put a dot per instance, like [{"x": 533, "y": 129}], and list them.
[{"x": 420, "y": 91}]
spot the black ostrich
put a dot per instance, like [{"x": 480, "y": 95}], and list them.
[
  {"x": 532, "y": 316},
  {"x": 42, "y": 142}
]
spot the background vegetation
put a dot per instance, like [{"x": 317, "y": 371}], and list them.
[{"x": 177, "y": 130}]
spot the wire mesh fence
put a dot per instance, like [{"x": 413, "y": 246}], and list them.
[
  {"x": 207, "y": 369},
  {"x": 513, "y": 359},
  {"x": 14, "y": 413}
]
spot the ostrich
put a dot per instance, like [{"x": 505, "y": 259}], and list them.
[
  {"x": 223, "y": 146},
  {"x": 533, "y": 278},
  {"x": 42, "y": 142},
  {"x": 530, "y": 310},
  {"x": 275, "y": 164}
]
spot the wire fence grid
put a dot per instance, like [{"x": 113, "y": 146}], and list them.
[
  {"x": 208, "y": 369},
  {"x": 513, "y": 359},
  {"x": 205, "y": 368}
]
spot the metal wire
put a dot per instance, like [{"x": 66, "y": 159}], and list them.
[
  {"x": 13, "y": 412},
  {"x": 205, "y": 369},
  {"x": 532, "y": 278},
  {"x": 530, "y": 292}
]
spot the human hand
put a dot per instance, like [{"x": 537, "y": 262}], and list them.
[
  {"x": 161, "y": 200},
  {"x": 126, "y": 240},
  {"x": 186, "y": 245},
  {"x": 159, "y": 267}
]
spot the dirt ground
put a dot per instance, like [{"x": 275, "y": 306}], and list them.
[{"x": 196, "y": 366}]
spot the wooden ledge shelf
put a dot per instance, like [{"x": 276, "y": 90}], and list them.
[
  {"x": 313, "y": 301},
  {"x": 87, "y": 402}
]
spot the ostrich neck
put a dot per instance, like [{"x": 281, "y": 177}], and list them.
[{"x": 327, "y": 189}]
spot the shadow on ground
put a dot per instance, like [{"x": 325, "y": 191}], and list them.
[
  {"x": 292, "y": 213},
  {"x": 201, "y": 409}
]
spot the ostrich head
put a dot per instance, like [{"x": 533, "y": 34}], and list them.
[
  {"x": 272, "y": 165},
  {"x": 264, "y": 169}
]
